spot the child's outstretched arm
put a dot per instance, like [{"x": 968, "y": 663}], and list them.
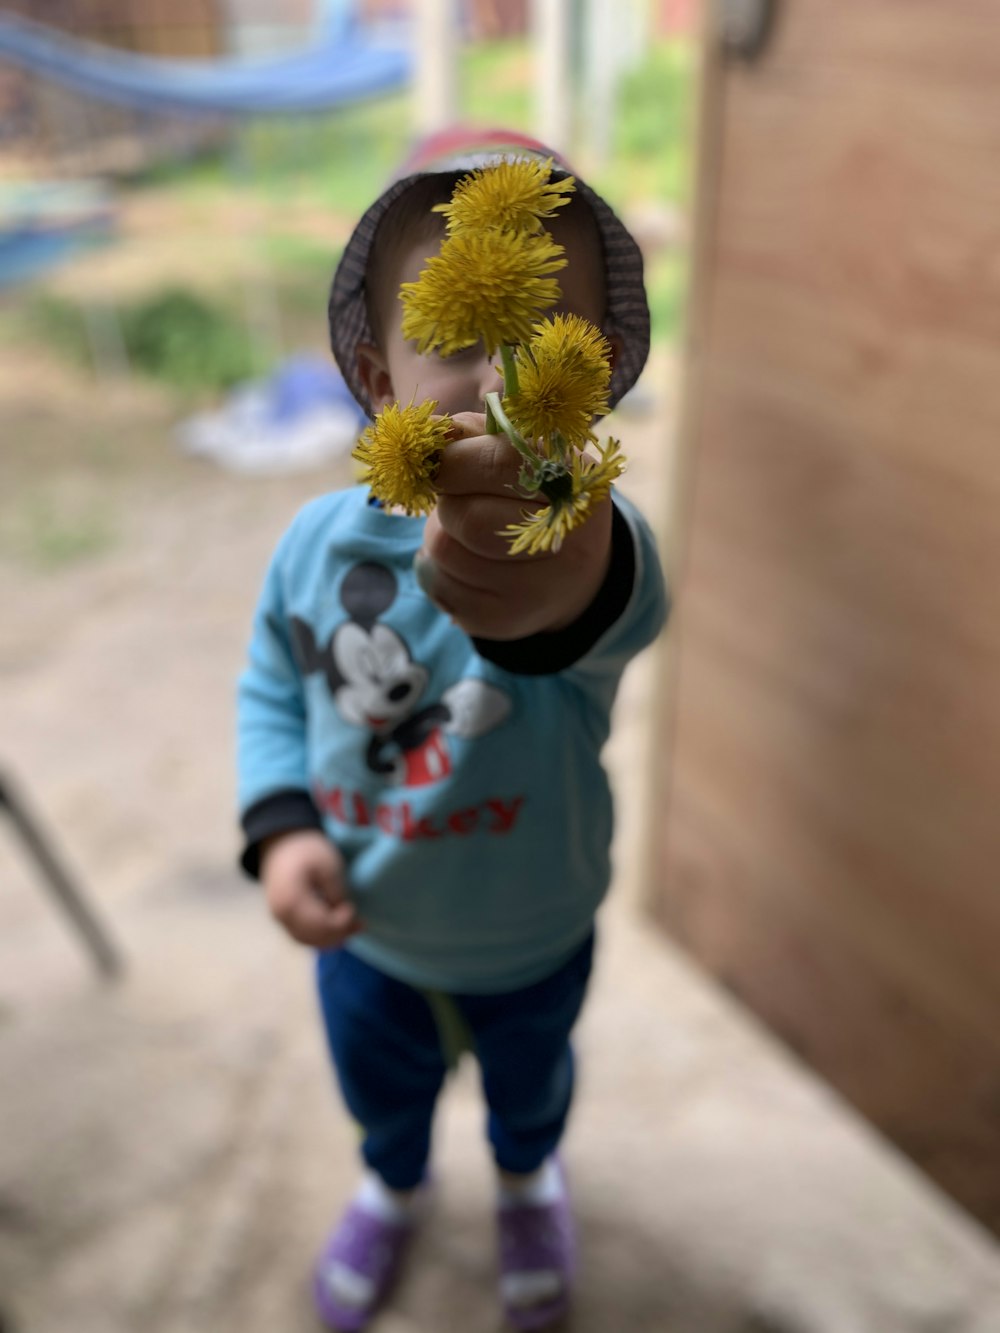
[{"x": 465, "y": 566}]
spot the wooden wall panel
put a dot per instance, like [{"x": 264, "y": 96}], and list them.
[{"x": 832, "y": 840}]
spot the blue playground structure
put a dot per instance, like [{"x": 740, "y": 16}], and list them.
[{"x": 344, "y": 62}]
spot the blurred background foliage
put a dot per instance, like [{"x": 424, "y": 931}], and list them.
[{"x": 282, "y": 194}]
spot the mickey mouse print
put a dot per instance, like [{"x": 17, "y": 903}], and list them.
[{"x": 377, "y": 686}]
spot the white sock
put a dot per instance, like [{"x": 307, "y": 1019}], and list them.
[
  {"x": 541, "y": 1187},
  {"x": 375, "y": 1196}
]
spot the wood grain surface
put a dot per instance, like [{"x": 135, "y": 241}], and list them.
[{"x": 832, "y": 834}]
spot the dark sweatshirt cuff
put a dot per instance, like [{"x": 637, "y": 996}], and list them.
[
  {"x": 281, "y": 812},
  {"x": 545, "y": 654}
]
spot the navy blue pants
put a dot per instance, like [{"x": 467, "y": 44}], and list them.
[{"x": 390, "y": 1058}]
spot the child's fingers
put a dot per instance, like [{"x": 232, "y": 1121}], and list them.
[
  {"x": 468, "y": 424},
  {"x": 504, "y": 605},
  {"x": 315, "y": 922},
  {"x": 480, "y": 465},
  {"x": 337, "y": 914},
  {"x": 475, "y": 524},
  {"x": 344, "y": 922},
  {"x": 503, "y": 597},
  {"x": 327, "y": 881}
]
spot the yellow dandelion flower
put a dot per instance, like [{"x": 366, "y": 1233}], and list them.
[
  {"x": 563, "y": 376},
  {"x": 400, "y": 452},
  {"x": 514, "y": 195},
  {"x": 572, "y": 493},
  {"x": 541, "y": 530},
  {"x": 490, "y": 285},
  {"x": 593, "y": 476}
]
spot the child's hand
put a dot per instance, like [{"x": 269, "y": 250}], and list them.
[
  {"x": 490, "y": 593},
  {"x": 303, "y": 877}
]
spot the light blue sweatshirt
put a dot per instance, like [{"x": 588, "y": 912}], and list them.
[{"x": 461, "y": 780}]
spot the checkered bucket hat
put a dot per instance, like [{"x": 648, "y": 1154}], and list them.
[{"x": 460, "y": 150}]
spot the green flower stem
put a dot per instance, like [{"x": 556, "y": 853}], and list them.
[
  {"x": 494, "y": 407},
  {"x": 493, "y": 423},
  {"x": 510, "y": 384}
]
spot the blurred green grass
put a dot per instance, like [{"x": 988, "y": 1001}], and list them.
[
  {"x": 174, "y": 335},
  {"x": 47, "y": 531}
]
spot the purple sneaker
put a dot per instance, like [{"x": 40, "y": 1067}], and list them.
[
  {"x": 537, "y": 1259},
  {"x": 357, "y": 1267}
]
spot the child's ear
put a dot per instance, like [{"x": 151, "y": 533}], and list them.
[{"x": 373, "y": 372}]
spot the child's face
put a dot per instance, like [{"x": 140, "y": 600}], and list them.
[{"x": 459, "y": 383}]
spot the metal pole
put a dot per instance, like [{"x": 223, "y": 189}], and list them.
[
  {"x": 601, "y": 66},
  {"x": 69, "y": 896},
  {"x": 437, "y": 60},
  {"x": 550, "y": 23}
]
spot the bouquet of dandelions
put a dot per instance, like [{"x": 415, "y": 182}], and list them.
[{"x": 490, "y": 281}]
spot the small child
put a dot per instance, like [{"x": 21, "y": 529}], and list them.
[{"x": 420, "y": 728}]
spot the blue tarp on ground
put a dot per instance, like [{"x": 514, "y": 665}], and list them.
[
  {"x": 301, "y": 416},
  {"x": 27, "y": 254},
  {"x": 45, "y": 222},
  {"x": 344, "y": 63}
]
